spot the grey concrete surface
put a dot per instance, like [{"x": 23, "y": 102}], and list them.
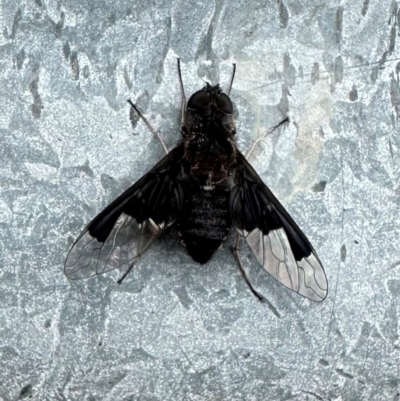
[{"x": 175, "y": 330}]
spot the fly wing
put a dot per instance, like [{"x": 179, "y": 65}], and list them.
[
  {"x": 275, "y": 239},
  {"x": 129, "y": 225}
]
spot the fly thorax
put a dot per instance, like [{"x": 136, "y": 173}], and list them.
[{"x": 209, "y": 160}]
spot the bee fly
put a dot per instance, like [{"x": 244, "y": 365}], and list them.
[{"x": 205, "y": 187}]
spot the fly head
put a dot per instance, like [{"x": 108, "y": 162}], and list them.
[{"x": 210, "y": 112}]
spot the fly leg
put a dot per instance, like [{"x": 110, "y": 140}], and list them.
[
  {"x": 286, "y": 120},
  {"x": 125, "y": 274},
  {"x": 183, "y": 102},
  {"x": 233, "y": 76},
  {"x": 235, "y": 251},
  {"x": 149, "y": 126},
  {"x": 183, "y": 114}
]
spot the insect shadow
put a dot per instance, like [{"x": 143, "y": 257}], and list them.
[{"x": 204, "y": 187}]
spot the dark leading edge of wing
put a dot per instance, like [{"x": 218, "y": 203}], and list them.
[
  {"x": 273, "y": 236},
  {"x": 126, "y": 228}
]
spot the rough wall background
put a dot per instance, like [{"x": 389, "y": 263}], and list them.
[{"x": 175, "y": 330}]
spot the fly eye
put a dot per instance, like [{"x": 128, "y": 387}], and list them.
[
  {"x": 225, "y": 104},
  {"x": 199, "y": 100}
]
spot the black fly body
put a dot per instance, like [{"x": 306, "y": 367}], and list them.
[{"x": 205, "y": 187}]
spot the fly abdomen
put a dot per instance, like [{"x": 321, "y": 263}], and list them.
[{"x": 205, "y": 221}]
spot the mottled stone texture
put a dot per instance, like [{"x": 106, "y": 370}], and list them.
[{"x": 175, "y": 330}]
